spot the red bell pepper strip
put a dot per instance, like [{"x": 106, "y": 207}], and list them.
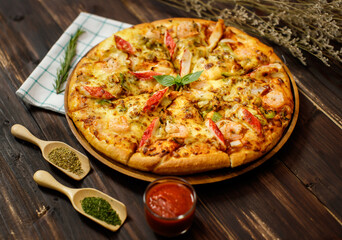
[
  {"x": 154, "y": 101},
  {"x": 169, "y": 43},
  {"x": 98, "y": 92},
  {"x": 211, "y": 125},
  {"x": 146, "y": 75},
  {"x": 251, "y": 120},
  {"x": 150, "y": 130},
  {"x": 123, "y": 45}
]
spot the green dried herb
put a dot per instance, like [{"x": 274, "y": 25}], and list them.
[
  {"x": 258, "y": 102},
  {"x": 269, "y": 114},
  {"x": 66, "y": 159},
  {"x": 100, "y": 209},
  {"x": 262, "y": 120},
  {"x": 205, "y": 112},
  {"x": 124, "y": 84},
  {"x": 226, "y": 47},
  {"x": 70, "y": 53}
]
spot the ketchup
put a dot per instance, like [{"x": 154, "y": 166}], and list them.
[{"x": 170, "y": 206}]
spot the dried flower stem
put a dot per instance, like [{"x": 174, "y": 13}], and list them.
[{"x": 312, "y": 25}]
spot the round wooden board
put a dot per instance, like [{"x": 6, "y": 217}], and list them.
[{"x": 199, "y": 178}]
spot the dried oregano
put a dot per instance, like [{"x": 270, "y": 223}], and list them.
[{"x": 66, "y": 159}]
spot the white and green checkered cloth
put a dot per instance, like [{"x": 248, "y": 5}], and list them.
[{"x": 38, "y": 88}]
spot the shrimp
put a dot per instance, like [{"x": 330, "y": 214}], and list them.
[
  {"x": 275, "y": 98},
  {"x": 187, "y": 29},
  {"x": 153, "y": 34},
  {"x": 176, "y": 130},
  {"x": 112, "y": 64},
  {"x": 272, "y": 70},
  {"x": 200, "y": 85},
  {"x": 164, "y": 67},
  {"x": 231, "y": 130},
  {"x": 119, "y": 124}
]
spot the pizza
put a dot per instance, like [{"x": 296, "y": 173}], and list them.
[{"x": 180, "y": 96}]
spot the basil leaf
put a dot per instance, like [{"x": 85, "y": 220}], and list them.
[
  {"x": 165, "y": 80},
  {"x": 216, "y": 117},
  {"x": 191, "y": 77},
  {"x": 178, "y": 79}
]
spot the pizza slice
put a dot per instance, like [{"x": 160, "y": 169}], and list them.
[{"x": 179, "y": 139}]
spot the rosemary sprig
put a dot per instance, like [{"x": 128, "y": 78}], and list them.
[{"x": 70, "y": 53}]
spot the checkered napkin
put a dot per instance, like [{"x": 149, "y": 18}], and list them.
[{"x": 38, "y": 87}]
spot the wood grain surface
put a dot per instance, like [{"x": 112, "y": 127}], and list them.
[{"x": 297, "y": 194}]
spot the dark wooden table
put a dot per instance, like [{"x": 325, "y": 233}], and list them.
[{"x": 297, "y": 194}]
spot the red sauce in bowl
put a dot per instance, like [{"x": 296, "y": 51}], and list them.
[{"x": 169, "y": 206}]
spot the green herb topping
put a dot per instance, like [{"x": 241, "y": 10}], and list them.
[
  {"x": 124, "y": 84},
  {"x": 167, "y": 80},
  {"x": 66, "y": 159},
  {"x": 104, "y": 101},
  {"x": 216, "y": 117},
  {"x": 100, "y": 209},
  {"x": 70, "y": 53},
  {"x": 269, "y": 114},
  {"x": 226, "y": 47}
]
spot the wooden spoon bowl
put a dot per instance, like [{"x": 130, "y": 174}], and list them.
[
  {"x": 46, "y": 147},
  {"x": 45, "y": 179}
]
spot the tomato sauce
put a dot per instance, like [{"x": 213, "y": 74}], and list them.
[{"x": 169, "y": 207}]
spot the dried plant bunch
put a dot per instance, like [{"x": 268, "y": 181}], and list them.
[{"x": 313, "y": 26}]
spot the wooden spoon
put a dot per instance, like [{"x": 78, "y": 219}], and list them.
[
  {"x": 45, "y": 179},
  {"x": 46, "y": 147}
]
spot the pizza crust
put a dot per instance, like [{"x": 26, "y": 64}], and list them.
[
  {"x": 144, "y": 163},
  {"x": 245, "y": 156},
  {"x": 242, "y": 157},
  {"x": 180, "y": 165},
  {"x": 119, "y": 154},
  {"x": 193, "y": 164}
]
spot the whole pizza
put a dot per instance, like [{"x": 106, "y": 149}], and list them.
[{"x": 181, "y": 96}]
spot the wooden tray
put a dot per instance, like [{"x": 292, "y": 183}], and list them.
[{"x": 199, "y": 178}]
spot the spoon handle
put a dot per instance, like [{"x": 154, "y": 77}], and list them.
[
  {"x": 45, "y": 179},
  {"x": 23, "y": 133}
]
